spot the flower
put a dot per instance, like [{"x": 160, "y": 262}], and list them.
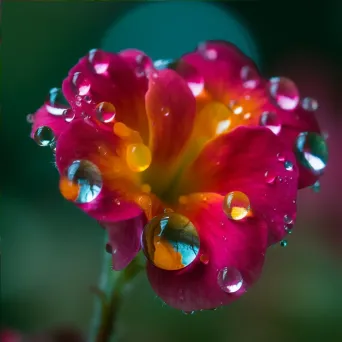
[{"x": 198, "y": 163}]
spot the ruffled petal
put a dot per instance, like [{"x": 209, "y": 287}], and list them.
[
  {"x": 124, "y": 239},
  {"x": 238, "y": 246},
  {"x": 83, "y": 140},
  {"x": 106, "y": 77},
  {"x": 42, "y": 117},
  {"x": 254, "y": 161}
]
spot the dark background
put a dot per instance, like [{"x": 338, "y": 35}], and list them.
[{"x": 51, "y": 252}]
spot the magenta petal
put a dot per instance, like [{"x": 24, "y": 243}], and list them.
[
  {"x": 124, "y": 239},
  {"x": 255, "y": 161},
  {"x": 82, "y": 140},
  {"x": 43, "y": 118},
  {"x": 224, "y": 243}
]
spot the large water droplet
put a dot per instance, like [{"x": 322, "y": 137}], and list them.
[
  {"x": 312, "y": 152},
  {"x": 68, "y": 115},
  {"x": 99, "y": 61},
  {"x": 309, "y": 104},
  {"x": 207, "y": 52},
  {"x": 249, "y": 77},
  {"x": 283, "y": 243},
  {"x": 271, "y": 121},
  {"x": 44, "y": 136},
  {"x": 170, "y": 241},
  {"x": 235, "y": 107},
  {"x": 105, "y": 112},
  {"x": 81, "y": 182},
  {"x": 144, "y": 65},
  {"x": 284, "y": 92},
  {"x": 56, "y": 102},
  {"x": 229, "y": 279},
  {"x": 138, "y": 157},
  {"x": 236, "y": 205},
  {"x": 81, "y": 84}
]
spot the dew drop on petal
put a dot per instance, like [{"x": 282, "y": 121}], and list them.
[
  {"x": 236, "y": 205},
  {"x": 288, "y": 219},
  {"x": 271, "y": 121},
  {"x": 236, "y": 108},
  {"x": 312, "y": 152},
  {"x": 229, "y": 279},
  {"x": 249, "y": 77},
  {"x": 108, "y": 248},
  {"x": 204, "y": 258},
  {"x": 165, "y": 111},
  {"x": 53, "y": 146},
  {"x": 81, "y": 182},
  {"x": 105, "y": 112},
  {"x": 288, "y": 165},
  {"x": 188, "y": 312},
  {"x": 99, "y": 61},
  {"x": 81, "y": 84},
  {"x": 284, "y": 92},
  {"x": 270, "y": 177},
  {"x": 56, "y": 102},
  {"x": 316, "y": 187},
  {"x": 206, "y": 52},
  {"x": 283, "y": 243},
  {"x": 68, "y": 115},
  {"x": 44, "y": 136},
  {"x": 138, "y": 157},
  {"x": 309, "y": 104},
  {"x": 170, "y": 241}
]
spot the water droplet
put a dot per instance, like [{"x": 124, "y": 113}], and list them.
[
  {"x": 284, "y": 92},
  {"x": 99, "y": 61},
  {"x": 165, "y": 111},
  {"x": 138, "y": 157},
  {"x": 288, "y": 219},
  {"x": 105, "y": 112},
  {"x": 191, "y": 75},
  {"x": 206, "y": 52},
  {"x": 249, "y": 77},
  {"x": 288, "y": 165},
  {"x": 68, "y": 115},
  {"x": 283, "y": 243},
  {"x": 312, "y": 152},
  {"x": 204, "y": 258},
  {"x": 162, "y": 64},
  {"x": 188, "y": 312},
  {"x": 235, "y": 108},
  {"x": 271, "y": 121},
  {"x": 229, "y": 279},
  {"x": 81, "y": 182},
  {"x": 109, "y": 248},
  {"x": 30, "y": 118},
  {"x": 170, "y": 241},
  {"x": 53, "y": 145},
  {"x": 236, "y": 205},
  {"x": 44, "y": 136},
  {"x": 309, "y": 104},
  {"x": 56, "y": 102},
  {"x": 144, "y": 65},
  {"x": 270, "y": 178},
  {"x": 316, "y": 187},
  {"x": 81, "y": 84}
]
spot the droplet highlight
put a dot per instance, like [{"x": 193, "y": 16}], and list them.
[
  {"x": 138, "y": 157},
  {"x": 81, "y": 182},
  {"x": 249, "y": 77},
  {"x": 284, "y": 93},
  {"x": 230, "y": 279},
  {"x": 105, "y": 112},
  {"x": 56, "y": 102},
  {"x": 81, "y": 84},
  {"x": 170, "y": 241},
  {"x": 236, "y": 205},
  {"x": 271, "y": 121},
  {"x": 309, "y": 104}
]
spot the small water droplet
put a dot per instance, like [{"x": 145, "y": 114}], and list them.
[
  {"x": 99, "y": 61},
  {"x": 170, "y": 241},
  {"x": 56, "y": 102},
  {"x": 68, "y": 115},
  {"x": 312, "y": 152},
  {"x": 188, "y": 312},
  {"x": 284, "y": 92},
  {"x": 81, "y": 182},
  {"x": 236, "y": 205},
  {"x": 283, "y": 243},
  {"x": 53, "y": 145},
  {"x": 270, "y": 178},
  {"x": 44, "y": 136},
  {"x": 206, "y": 52},
  {"x": 280, "y": 157},
  {"x": 288, "y": 219},
  {"x": 165, "y": 111},
  {"x": 309, "y": 104},
  {"x": 229, "y": 279},
  {"x": 316, "y": 187},
  {"x": 271, "y": 121},
  {"x": 235, "y": 107},
  {"x": 138, "y": 157},
  {"x": 105, "y": 112},
  {"x": 288, "y": 165},
  {"x": 81, "y": 84},
  {"x": 249, "y": 77},
  {"x": 30, "y": 118},
  {"x": 204, "y": 258}
]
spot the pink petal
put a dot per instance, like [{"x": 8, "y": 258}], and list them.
[
  {"x": 251, "y": 160},
  {"x": 171, "y": 110},
  {"x": 43, "y": 118},
  {"x": 124, "y": 239},
  {"x": 225, "y": 243},
  {"x": 82, "y": 140},
  {"x": 107, "y": 77}
]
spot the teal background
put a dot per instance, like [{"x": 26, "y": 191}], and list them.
[{"x": 51, "y": 252}]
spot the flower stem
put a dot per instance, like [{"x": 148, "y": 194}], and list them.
[{"x": 109, "y": 297}]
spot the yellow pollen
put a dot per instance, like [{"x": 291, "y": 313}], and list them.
[{"x": 138, "y": 157}]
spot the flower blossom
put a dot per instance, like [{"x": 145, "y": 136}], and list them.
[{"x": 197, "y": 162}]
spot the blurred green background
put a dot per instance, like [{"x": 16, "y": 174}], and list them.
[{"x": 51, "y": 251}]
